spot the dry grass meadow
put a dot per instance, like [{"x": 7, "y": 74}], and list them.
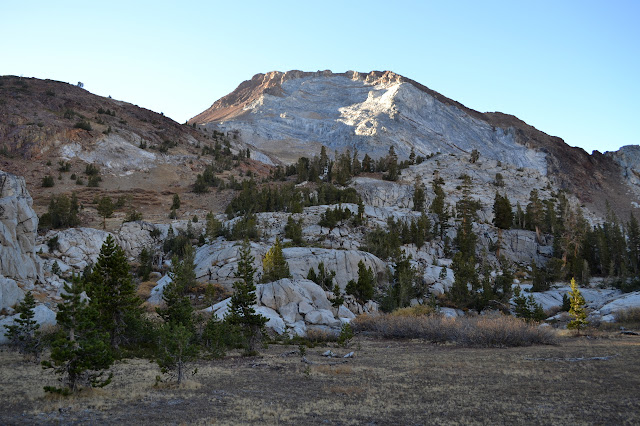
[{"x": 387, "y": 382}]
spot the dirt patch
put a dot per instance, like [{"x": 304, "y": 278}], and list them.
[{"x": 387, "y": 382}]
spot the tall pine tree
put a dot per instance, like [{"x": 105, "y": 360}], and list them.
[
  {"x": 112, "y": 292},
  {"x": 80, "y": 351},
  {"x": 241, "y": 312},
  {"x": 274, "y": 266}
]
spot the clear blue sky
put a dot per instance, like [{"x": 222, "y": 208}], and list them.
[{"x": 569, "y": 68}]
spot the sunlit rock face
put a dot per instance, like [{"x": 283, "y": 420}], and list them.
[{"x": 298, "y": 113}]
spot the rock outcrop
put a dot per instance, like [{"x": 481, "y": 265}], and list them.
[
  {"x": 221, "y": 259},
  {"x": 18, "y": 228},
  {"x": 79, "y": 247},
  {"x": 295, "y": 306}
]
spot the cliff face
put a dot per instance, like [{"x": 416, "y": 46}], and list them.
[
  {"x": 18, "y": 228},
  {"x": 292, "y": 114}
]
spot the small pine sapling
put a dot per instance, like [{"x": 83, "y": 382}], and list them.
[{"x": 577, "y": 310}]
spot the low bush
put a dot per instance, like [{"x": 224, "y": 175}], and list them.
[
  {"x": 484, "y": 331},
  {"x": 629, "y": 317}
]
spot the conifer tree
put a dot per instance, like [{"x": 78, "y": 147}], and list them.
[
  {"x": 274, "y": 266},
  {"x": 438, "y": 206},
  {"x": 534, "y": 212},
  {"x": 392, "y": 166},
  {"x": 503, "y": 213},
  {"x": 112, "y": 292},
  {"x": 23, "y": 335},
  {"x": 362, "y": 289},
  {"x": 527, "y": 307},
  {"x": 633, "y": 244},
  {"x": 293, "y": 230},
  {"x": 175, "y": 202},
  {"x": 577, "y": 310},
  {"x": 176, "y": 348},
  {"x": 178, "y": 309},
  {"x": 419, "y": 196},
  {"x": 367, "y": 164},
  {"x": 80, "y": 351},
  {"x": 324, "y": 277},
  {"x": 241, "y": 312},
  {"x": 105, "y": 209},
  {"x": 356, "y": 167}
]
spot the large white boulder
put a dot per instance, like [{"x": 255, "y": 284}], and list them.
[
  {"x": 158, "y": 290},
  {"x": 322, "y": 317},
  {"x": 628, "y": 301},
  {"x": 79, "y": 247},
  {"x": 135, "y": 236},
  {"x": 274, "y": 321},
  {"x": 10, "y": 293},
  {"x": 343, "y": 262},
  {"x": 18, "y": 229},
  {"x": 291, "y": 305}
]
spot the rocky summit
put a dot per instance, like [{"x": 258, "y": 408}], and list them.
[{"x": 290, "y": 114}]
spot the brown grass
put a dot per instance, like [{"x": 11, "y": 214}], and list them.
[
  {"x": 628, "y": 318},
  {"x": 388, "y": 382},
  {"x": 487, "y": 331},
  {"x": 144, "y": 289}
]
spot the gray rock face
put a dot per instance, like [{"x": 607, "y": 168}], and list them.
[
  {"x": 628, "y": 157},
  {"x": 79, "y": 247},
  {"x": 18, "y": 228},
  {"x": 377, "y": 193},
  {"x": 346, "y": 111},
  {"x": 221, "y": 258},
  {"x": 134, "y": 236},
  {"x": 293, "y": 305},
  {"x": 10, "y": 293}
]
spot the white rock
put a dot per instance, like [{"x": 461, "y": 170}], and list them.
[
  {"x": 274, "y": 321},
  {"x": 18, "y": 228},
  {"x": 322, "y": 317},
  {"x": 298, "y": 328},
  {"x": 305, "y": 307},
  {"x": 10, "y": 293},
  {"x": 158, "y": 290},
  {"x": 628, "y": 301},
  {"x": 289, "y": 313},
  {"x": 451, "y": 313},
  {"x": 345, "y": 313}
]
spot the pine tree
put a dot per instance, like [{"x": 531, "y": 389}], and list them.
[
  {"x": 438, "y": 207},
  {"x": 241, "y": 312},
  {"x": 80, "y": 351},
  {"x": 633, "y": 244},
  {"x": 178, "y": 309},
  {"x": 274, "y": 266},
  {"x": 176, "y": 347},
  {"x": 392, "y": 166},
  {"x": 293, "y": 230},
  {"x": 324, "y": 277},
  {"x": 362, "y": 289},
  {"x": 367, "y": 164},
  {"x": 534, "y": 212},
  {"x": 175, "y": 203},
  {"x": 112, "y": 292},
  {"x": 23, "y": 335},
  {"x": 419, "y": 196},
  {"x": 503, "y": 213},
  {"x": 577, "y": 310},
  {"x": 526, "y": 307},
  {"x": 105, "y": 209}
]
